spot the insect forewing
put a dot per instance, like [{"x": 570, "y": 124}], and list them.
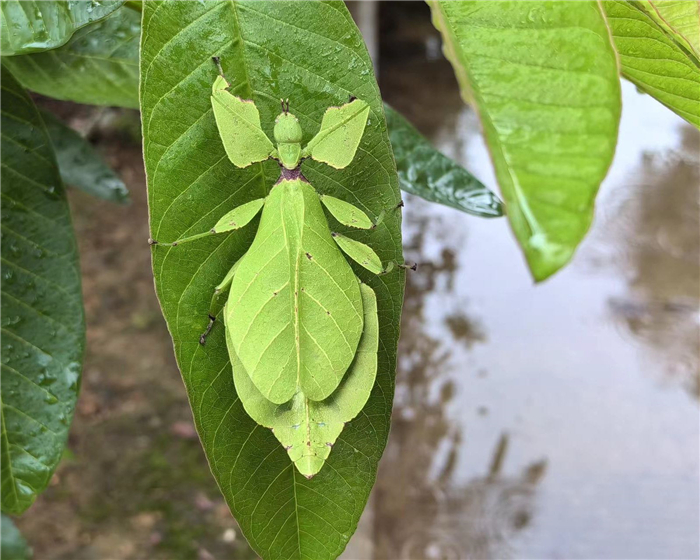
[
  {"x": 294, "y": 312},
  {"x": 340, "y": 134},
  {"x": 238, "y": 121},
  {"x": 307, "y": 428}
]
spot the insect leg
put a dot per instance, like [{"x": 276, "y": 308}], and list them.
[{"x": 215, "y": 306}]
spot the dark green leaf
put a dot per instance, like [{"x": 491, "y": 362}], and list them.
[
  {"x": 32, "y": 26},
  {"x": 12, "y": 543},
  {"x": 543, "y": 78},
  {"x": 655, "y": 58},
  {"x": 427, "y": 173},
  {"x": 43, "y": 328},
  {"x": 80, "y": 165},
  {"x": 265, "y": 49},
  {"x": 98, "y": 66}
]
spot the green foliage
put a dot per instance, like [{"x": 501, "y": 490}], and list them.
[
  {"x": 34, "y": 26},
  {"x": 80, "y": 165},
  {"x": 425, "y": 172},
  {"x": 98, "y": 65},
  {"x": 658, "y": 59},
  {"x": 42, "y": 314},
  {"x": 12, "y": 543},
  {"x": 264, "y": 47},
  {"x": 550, "y": 115}
]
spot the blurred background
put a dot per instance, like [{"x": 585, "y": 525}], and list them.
[{"x": 550, "y": 421}]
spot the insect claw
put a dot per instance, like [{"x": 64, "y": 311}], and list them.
[
  {"x": 352, "y": 98},
  {"x": 203, "y": 337},
  {"x": 399, "y": 205},
  {"x": 152, "y": 241}
]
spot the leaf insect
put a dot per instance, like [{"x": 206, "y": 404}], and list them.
[{"x": 301, "y": 329}]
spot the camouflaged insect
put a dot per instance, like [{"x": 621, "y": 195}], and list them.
[{"x": 301, "y": 329}]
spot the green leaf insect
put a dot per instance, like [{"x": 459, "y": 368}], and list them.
[{"x": 301, "y": 329}]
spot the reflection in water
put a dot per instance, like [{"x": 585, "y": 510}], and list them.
[
  {"x": 530, "y": 421},
  {"x": 658, "y": 243}
]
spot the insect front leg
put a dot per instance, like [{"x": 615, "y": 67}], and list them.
[
  {"x": 214, "y": 306},
  {"x": 235, "y": 219}
]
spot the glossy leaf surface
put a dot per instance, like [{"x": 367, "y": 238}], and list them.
[
  {"x": 425, "y": 172},
  {"x": 43, "y": 328},
  {"x": 306, "y": 428},
  {"x": 655, "y": 58},
  {"x": 32, "y": 26},
  {"x": 99, "y": 65},
  {"x": 80, "y": 165},
  {"x": 264, "y": 50},
  {"x": 543, "y": 78}
]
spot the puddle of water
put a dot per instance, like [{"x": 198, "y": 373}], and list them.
[{"x": 549, "y": 421}]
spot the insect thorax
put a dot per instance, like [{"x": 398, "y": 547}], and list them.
[{"x": 288, "y": 136}]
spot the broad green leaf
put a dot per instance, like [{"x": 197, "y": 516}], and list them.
[
  {"x": 43, "y": 328},
  {"x": 294, "y": 313},
  {"x": 80, "y": 165},
  {"x": 680, "y": 17},
  {"x": 239, "y": 125},
  {"x": 31, "y": 25},
  {"x": 13, "y": 546},
  {"x": 543, "y": 78},
  {"x": 306, "y": 428},
  {"x": 652, "y": 57},
  {"x": 264, "y": 48},
  {"x": 340, "y": 133},
  {"x": 98, "y": 66},
  {"x": 425, "y": 172}
]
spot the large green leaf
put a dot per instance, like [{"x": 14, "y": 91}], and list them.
[
  {"x": 680, "y": 17},
  {"x": 544, "y": 80},
  {"x": 98, "y": 65},
  {"x": 427, "y": 173},
  {"x": 32, "y": 25},
  {"x": 43, "y": 328},
  {"x": 655, "y": 58},
  {"x": 13, "y": 546},
  {"x": 80, "y": 165},
  {"x": 265, "y": 48}
]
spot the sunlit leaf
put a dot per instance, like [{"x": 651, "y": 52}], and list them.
[
  {"x": 654, "y": 57},
  {"x": 264, "y": 48},
  {"x": 543, "y": 78},
  {"x": 43, "y": 328}
]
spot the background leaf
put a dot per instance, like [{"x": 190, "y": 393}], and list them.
[
  {"x": 543, "y": 78},
  {"x": 652, "y": 58},
  {"x": 264, "y": 47},
  {"x": 80, "y": 165},
  {"x": 32, "y": 25},
  {"x": 680, "y": 17},
  {"x": 43, "y": 327},
  {"x": 427, "y": 173},
  {"x": 98, "y": 66},
  {"x": 13, "y": 546}
]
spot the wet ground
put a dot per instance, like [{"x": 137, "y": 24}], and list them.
[{"x": 550, "y": 421}]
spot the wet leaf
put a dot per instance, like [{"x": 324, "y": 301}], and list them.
[
  {"x": 43, "y": 328},
  {"x": 427, "y": 173},
  {"x": 264, "y": 50},
  {"x": 38, "y": 26},
  {"x": 13, "y": 546},
  {"x": 655, "y": 57},
  {"x": 80, "y": 165},
  {"x": 550, "y": 115},
  {"x": 98, "y": 65}
]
